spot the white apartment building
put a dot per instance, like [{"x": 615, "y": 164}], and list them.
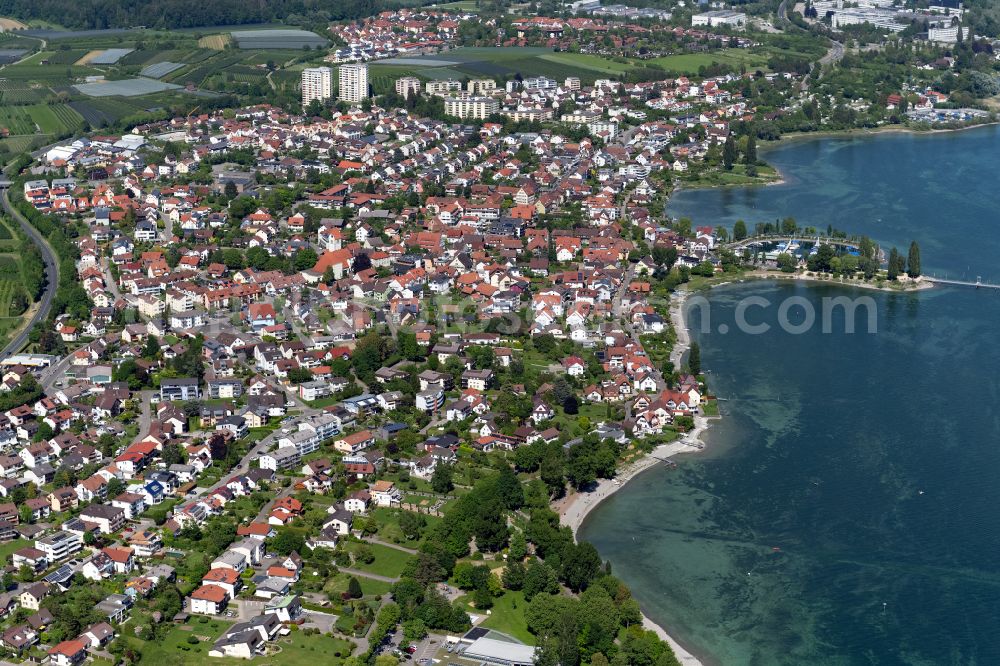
[
  {"x": 481, "y": 86},
  {"x": 540, "y": 83},
  {"x": 947, "y": 34},
  {"x": 407, "y": 85},
  {"x": 468, "y": 106},
  {"x": 317, "y": 83},
  {"x": 443, "y": 86},
  {"x": 59, "y": 545},
  {"x": 353, "y": 82}
]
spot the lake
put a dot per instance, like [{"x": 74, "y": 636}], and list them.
[{"x": 847, "y": 509}]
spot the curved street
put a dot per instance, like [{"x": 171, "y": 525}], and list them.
[{"x": 51, "y": 277}]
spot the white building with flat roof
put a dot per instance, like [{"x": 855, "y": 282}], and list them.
[
  {"x": 317, "y": 83},
  {"x": 470, "y": 106},
  {"x": 726, "y": 17},
  {"x": 442, "y": 86},
  {"x": 407, "y": 85},
  {"x": 501, "y": 653},
  {"x": 353, "y": 82}
]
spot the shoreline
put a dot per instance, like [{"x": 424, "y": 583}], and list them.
[
  {"x": 870, "y": 131},
  {"x": 909, "y": 288},
  {"x": 824, "y": 134},
  {"x": 574, "y": 508}
]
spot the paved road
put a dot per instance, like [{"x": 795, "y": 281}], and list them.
[
  {"x": 365, "y": 574},
  {"x": 389, "y": 544},
  {"x": 259, "y": 448},
  {"x": 833, "y": 54},
  {"x": 55, "y": 372},
  {"x": 51, "y": 274}
]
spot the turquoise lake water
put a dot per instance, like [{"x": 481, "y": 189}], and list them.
[{"x": 847, "y": 509}]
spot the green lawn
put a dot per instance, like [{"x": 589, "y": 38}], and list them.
[
  {"x": 720, "y": 178},
  {"x": 174, "y": 649},
  {"x": 507, "y": 616},
  {"x": 587, "y": 61},
  {"x": 388, "y": 561},
  {"x": 388, "y": 525},
  {"x": 689, "y": 63},
  {"x": 297, "y": 649},
  {"x": 369, "y": 586},
  {"x": 7, "y": 549}
]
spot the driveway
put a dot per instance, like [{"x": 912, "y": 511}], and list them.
[{"x": 322, "y": 621}]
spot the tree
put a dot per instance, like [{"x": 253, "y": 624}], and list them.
[
  {"x": 257, "y": 257},
  {"x": 513, "y": 575},
  {"x": 894, "y": 268},
  {"x": 580, "y": 566},
  {"x": 414, "y": 630},
  {"x": 299, "y": 375},
  {"x": 305, "y": 259},
  {"x": 787, "y": 263},
  {"x": 694, "y": 358},
  {"x": 913, "y": 261},
  {"x": 287, "y": 541},
  {"x": 25, "y": 514},
  {"x": 230, "y": 191},
  {"x": 364, "y": 554},
  {"x": 442, "y": 480},
  {"x": 570, "y": 405},
  {"x": 538, "y": 578},
  {"x": 751, "y": 151},
  {"x": 411, "y": 524},
  {"x": 728, "y": 153},
  {"x": 518, "y": 547},
  {"x": 354, "y": 588},
  {"x": 172, "y": 454},
  {"x": 362, "y": 262},
  {"x": 149, "y": 351},
  {"x": 739, "y": 230},
  {"x": 115, "y": 488}
]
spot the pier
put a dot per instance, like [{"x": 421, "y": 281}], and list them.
[{"x": 978, "y": 284}]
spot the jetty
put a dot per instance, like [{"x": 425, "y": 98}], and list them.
[{"x": 978, "y": 284}]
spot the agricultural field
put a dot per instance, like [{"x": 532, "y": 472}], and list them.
[
  {"x": 22, "y": 144},
  {"x": 107, "y": 57},
  {"x": 66, "y": 56},
  {"x": 144, "y": 71},
  {"x": 17, "y": 120},
  {"x": 54, "y": 118},
  {"x": 7, "y": 24},
  {"x": 587, "y": 61},
  {"x": 8, "y": 56},
  {"x": 277, "y": 39},
  {"x": 502, "y": 63},
  {"x": 215, "y": 42},
  {"x": 124, "y": 88},
  {"x": 160, "y": 69}
]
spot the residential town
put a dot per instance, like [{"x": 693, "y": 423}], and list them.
[
  {"x": 296, "y": 342},
  {"x": 327, "y": 379}
]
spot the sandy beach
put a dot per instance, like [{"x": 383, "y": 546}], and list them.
[{"x": 575, "y": 507}]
